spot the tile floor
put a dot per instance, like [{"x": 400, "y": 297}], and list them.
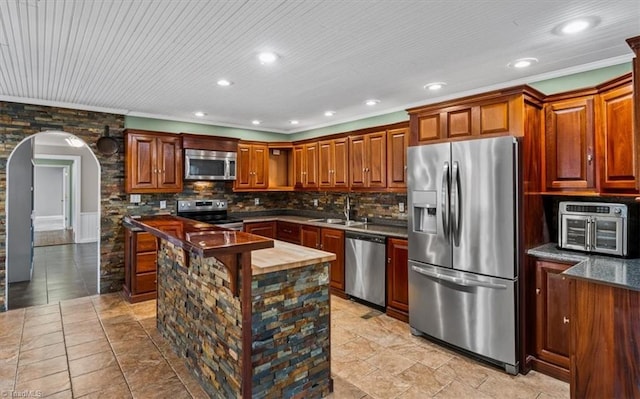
[
  {"x": 104, "y": 347},
  {"x": 59, "y": 272}
]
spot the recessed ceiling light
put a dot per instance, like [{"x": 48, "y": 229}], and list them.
[
  {"x": 267, "y": 58},
  {"x": 256, "y": 122},
  {"x": 371, "y": 102},
  {"x": 576, "y": 26},
  {"x": 199, "y": 114},
  {"x": 224, "y": 82},
  {"x": 294, "y": 122},
  {"x": 329, "y": 113},
  {"x": 434, "y": 86},
  {"x": 522, "y": 62}
]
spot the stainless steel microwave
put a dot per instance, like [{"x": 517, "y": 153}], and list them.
[
  {"x": 593, "y": 227},
  {"x": 209, "y": 165}
]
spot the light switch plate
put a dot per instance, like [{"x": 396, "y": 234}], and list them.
[
  {"x": 401, "y": 206},
  {"x": 256, "y": 201},
  {"x": 163, "y": 204},
  {"x": 134, "y": 198},
  {"x": 315, "y": 202}
]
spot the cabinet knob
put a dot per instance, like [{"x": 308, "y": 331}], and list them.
[
  {"x": 565, "y": 320},
  {"x": 537, "y": 291},
  {"x": 389, "y": 260},
  {"x": 589, "y": 158}
]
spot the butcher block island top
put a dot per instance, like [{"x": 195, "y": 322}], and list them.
[{"x": 250, "y": 316}]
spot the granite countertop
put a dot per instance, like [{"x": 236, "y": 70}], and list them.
[
  {"x": 284, "y": 256},
  {"x": 382, "y": 229},
  {"x": 608, "y": 270}
]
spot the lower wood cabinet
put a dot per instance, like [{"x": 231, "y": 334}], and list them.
[
  {"x": 398, "y": 279},
  {"x": 287, "y": 231},
  {"x": 140, "y": 266},
  {"x": 552, "y": 320},
  {"x": 264, "y": 229},
  {"x": 310, "y": 236},
  {"x": 332, "y": 240}
]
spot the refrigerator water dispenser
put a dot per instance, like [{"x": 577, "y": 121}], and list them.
[{"x": 424, "y": 211}]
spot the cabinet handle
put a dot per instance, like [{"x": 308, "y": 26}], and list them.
[
  {"x": 537, "y": 291},
  {"x": 565, "y": 320},
  {"x": 389, "y": 260}
]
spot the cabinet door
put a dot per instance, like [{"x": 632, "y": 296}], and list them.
[
  {"x": 569, "y": 141},
  {"x": 311, "y": 165},
  {"x": 398, "y": 278},
  {"x": 264, "y": 229},
  {"x": 310, "y": 236},
  {"x": 142, "y": 171},
  {"x": 259, "y": 166},
  {"x": 397, "y": 142},
  {"x": 243, "y": 166},
  {"x": 617, "y": 141},
  {"x": 326, "y": 163},
  {"x": 552, "y": 313},
  {"x": 298, "y": 166},
  {"x": 340, "y": 164},
  {"x": 332, "y": 240},
  {"x": 289, "y": 232},
  {"x": 357, "y": 161},
  {"x": 169, "y": 162},
  {"x": 376, "y": 156}
]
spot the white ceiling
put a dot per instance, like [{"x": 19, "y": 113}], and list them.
[{"x": 162, "y": 58}]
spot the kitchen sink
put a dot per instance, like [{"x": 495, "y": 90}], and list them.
[{"x": 338, "y": 221}]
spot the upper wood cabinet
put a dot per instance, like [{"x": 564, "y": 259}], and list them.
[
  {"x": 617, "y": 154},
  {"x": 368, "y": 160},
  {"x": 252, "y": 166},
  {"x": 397, "y": 142},
  {"x": 333, "y": 163},
  {"x": 153, "y": 162},
  {"x": 305, "y": 164},
  {"x": 569, "y": 144}
]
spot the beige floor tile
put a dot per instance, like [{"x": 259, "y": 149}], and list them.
[
  {"x": 507, "y": 388},
  {"x": 91, "y": 325},
  {"x": 341, "y": 336},
  {"x": 84, "y": 337},
  {"x": 97, "y": 381},
  {"x": 38, "y": 320},
  {"x": 41, "y": 310},
  {"x": 381, "y": 385},
  {"x": 41, "y": 369},
  {"x": 166, "y": 388},
  {"x": 351, "y": 369},
  {"x": 88, "y": 348},
  {"x": 119, "y": 391},
  {"x": 416, "y": 393},
  {"x": 48, "y": 385},
  {"x": 466, "y": 371},
  {"x": 345, "y": 390},
  {"x": 61, "y": 395},
  {"x": 42, "y": 353},
  {"x": 457, "y": 390},
  {"x": 547, "y": 385},
  {"x": 41, "y": 340},
  {"x": 32, "y": 331},
  {"x": 76, "y": 317},
  {"x": 423, "y": 378},
  {"x": 91, "y": 363},
  {"x": 188, "y": 380},
  {"x": 357, "y": 349},
  {"x": 146, "y": 373},
  {"x": 390, "y": 362},
  {"x": 144, "y": 310},
  {"x": 8, "y": 372},
  {"x": 124, "y": 331}
]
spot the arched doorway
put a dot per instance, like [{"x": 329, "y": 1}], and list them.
[{"x": 36, "y": 205}]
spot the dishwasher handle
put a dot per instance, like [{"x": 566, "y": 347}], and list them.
[{"x": 365, "y": 237}]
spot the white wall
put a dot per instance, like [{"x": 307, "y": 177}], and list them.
[
  {"x": 89, "y": 183},
  {"x": 48, "y": 184}
]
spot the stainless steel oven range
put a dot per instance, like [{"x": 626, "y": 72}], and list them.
[
  {"x": 594, "y": 227},
  {"x": 209, "y": 211}
]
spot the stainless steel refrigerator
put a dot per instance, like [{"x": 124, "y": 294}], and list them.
[{"x": 463, "y": 245}]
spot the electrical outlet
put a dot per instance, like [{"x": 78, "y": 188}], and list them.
[
  {"x": 256, "y": 201},
  {"x": 163, "y": 204},
  {"x": 401, "y": 206},
  {"x": 134, "y": 198},
  {"x": 315, "y": 202}
]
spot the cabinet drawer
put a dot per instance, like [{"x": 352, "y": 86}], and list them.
[
  {"x": 146, "y": 282},
  {"x": 146, "y": 262},
  {"x": 145, "y": 242},
  {"x": 289, "y": 232}
]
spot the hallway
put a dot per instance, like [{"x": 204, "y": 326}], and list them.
[{"x": 59, "y": 272}]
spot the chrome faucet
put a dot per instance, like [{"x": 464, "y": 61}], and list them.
[{"x": 347, "y": 207}]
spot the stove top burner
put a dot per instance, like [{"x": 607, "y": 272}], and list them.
[{"x": 208, "y": 211}]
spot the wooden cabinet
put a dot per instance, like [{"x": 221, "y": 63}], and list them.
[
  {"x": 368, "y": 160},
  {"x": 616, "y": 139},
  {"x": 305, "y": 164},
  {"x": 264, "y": 229},
  {"x": 333, "y": 162},
  {"x": 153, "y": 162},
  {"x": 488, "y": 114},
  {"x": 569, "y": 144},
  {"x": 332, "y": 240},
  {"x": 552, "y": 308},
  {"x": 398, "y": 279},
  {"x": 252, "y": 166},
  {"x": 397, "y": 142},
  {"x": 310, "y": 236},
  {"x": 605, "y": 341},
  {"x": 289, "y": 232}
]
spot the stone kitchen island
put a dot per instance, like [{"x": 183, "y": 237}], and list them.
[{"x": 249, "y": 315}]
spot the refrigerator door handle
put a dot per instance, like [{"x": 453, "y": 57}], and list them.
[
  {"x": 455, "y": 204},
  {"x": 458, "y": 281},
  {"x": 444, "y": 190}
]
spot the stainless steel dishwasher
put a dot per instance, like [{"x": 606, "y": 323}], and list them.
[{"x": 365, "y": 276}]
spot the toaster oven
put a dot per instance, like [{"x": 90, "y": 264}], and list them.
[{"x": 593, "y": 227}]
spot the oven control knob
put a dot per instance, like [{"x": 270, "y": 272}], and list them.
[{"x": 617, "y": 211}]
